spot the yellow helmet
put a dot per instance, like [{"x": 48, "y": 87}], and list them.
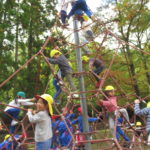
[
  {"x": 6, "y": 137},
  {"x": 138, "y": 123},
  {"x": 109, "y": 88},
  {"x": 85, "y": 18},
  {"x": 49, "y": 99},
  {"x": 148, "y": 104},
  {"x": 85, "y": 58},
  {"x": 54, "y": 51}
]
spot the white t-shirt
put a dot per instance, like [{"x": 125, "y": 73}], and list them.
[
  {"x": 43, "y": 127},
  {"x": 25, "y": 102}
]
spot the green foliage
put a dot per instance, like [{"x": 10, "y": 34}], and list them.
[
  {"x": 22, "y": 33},
  {"x": 22, "y": 25}
]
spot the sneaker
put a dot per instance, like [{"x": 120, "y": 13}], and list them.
[
  {"x": 148, "y": 143},
  {"x": 68, "y": 97},
  {"x": 75, "y": 95},
  {"x": 14, "y": 122},
  {"x": 61, "y": 83},
  {"x": 129, "y": 126},
  {"x": 126, "y": 145}
]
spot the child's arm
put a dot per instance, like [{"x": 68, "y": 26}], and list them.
[
  {"x": 35, "y": 118},
  {"x": 53, "y": 61},
  {"x": 74, "y": 121},
  {"x": 139, "y": 111},
  {"x": 92, "y": 119},
  {"x": 26, "y": 102}
]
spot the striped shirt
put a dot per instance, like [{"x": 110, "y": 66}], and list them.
[{"x": 145, "y": 112}]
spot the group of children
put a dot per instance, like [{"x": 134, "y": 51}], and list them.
[
  {"x": 65, "y": 71},
  {"x": 44, "y": 112},
  {"x": 79, "y": 7},
  {"x": 46, "y": 123},
  {"x": 41, "y": 117}
]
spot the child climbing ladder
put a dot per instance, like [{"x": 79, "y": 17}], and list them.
[{"x": 66, "y": 71}]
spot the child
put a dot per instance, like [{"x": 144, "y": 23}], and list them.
[
  {"x": 42, "y": 119},
  {"x": 65, "y": 137},
  {"x": 79, "y": 137},
  {"x": 97, "y": 64},
  {"x": 65, "y": 68},
  {"x": 110, "y": 104},
  {"x": 86, "y": 31},
  {"x": 79, "y": 120},
  {"x": 138, "y": 128},
  {"x": 10, "y": 144},
  {"x": 4, "y": 144},
  {"x": 82, "y": 5},
  {"x": 63, "y": 12},
  {"x": 14, "y": 112},
  {"x": 145, "y": 112},
  {"x": 55, "y": 139}
]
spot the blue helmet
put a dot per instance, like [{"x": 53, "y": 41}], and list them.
[{"x": 22, "y": 94}]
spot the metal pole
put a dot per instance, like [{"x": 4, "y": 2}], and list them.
[{"x": 82, "y": 87}]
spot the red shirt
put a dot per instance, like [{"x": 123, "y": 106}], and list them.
[{"x": 110, "y": 104}]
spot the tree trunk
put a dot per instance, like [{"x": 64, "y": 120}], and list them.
[
  {"x": 144, "y": 61},
  {"x": 132, "y": 71}
]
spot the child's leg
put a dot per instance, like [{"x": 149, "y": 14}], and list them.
[
  {"x": 85, "y": 8},
  {"x": 111, "y": 121},
  {"x": 69, "y": 79},
  {"x": 57, "y": 88},
  {"x": 98, "y": 71},
  {"x": 80, "y": 5},
  {"x": 117, "y": 134},
  {"x": 76, "y": 6},
  {"x": 125, "y": 113},
  {"x": 123, "y": 134},
  {"x": 45, "y": 145},
  {"x": 63, "y": 16},
  {"x": 14, "y": 112}
]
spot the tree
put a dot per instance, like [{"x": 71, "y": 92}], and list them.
[{"x": 23, "y": 27}]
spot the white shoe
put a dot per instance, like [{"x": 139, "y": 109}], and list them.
[
  {"x": 14, "y": 122},
  {"x": 148, "y": 144},
  {"x": 68, "y": 97},
  {"x": 61, "y": 83},
  {"x": 75, "y": 95}
]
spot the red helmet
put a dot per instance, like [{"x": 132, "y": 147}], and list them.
[
  {"x": 79, "y": 109},
  {"x": 55, "y": 117}
]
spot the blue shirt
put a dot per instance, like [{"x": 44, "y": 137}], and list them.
[{"x": 79, "y": 121}]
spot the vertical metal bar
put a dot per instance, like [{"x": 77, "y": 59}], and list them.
[{"x": 81, "y": 85}]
